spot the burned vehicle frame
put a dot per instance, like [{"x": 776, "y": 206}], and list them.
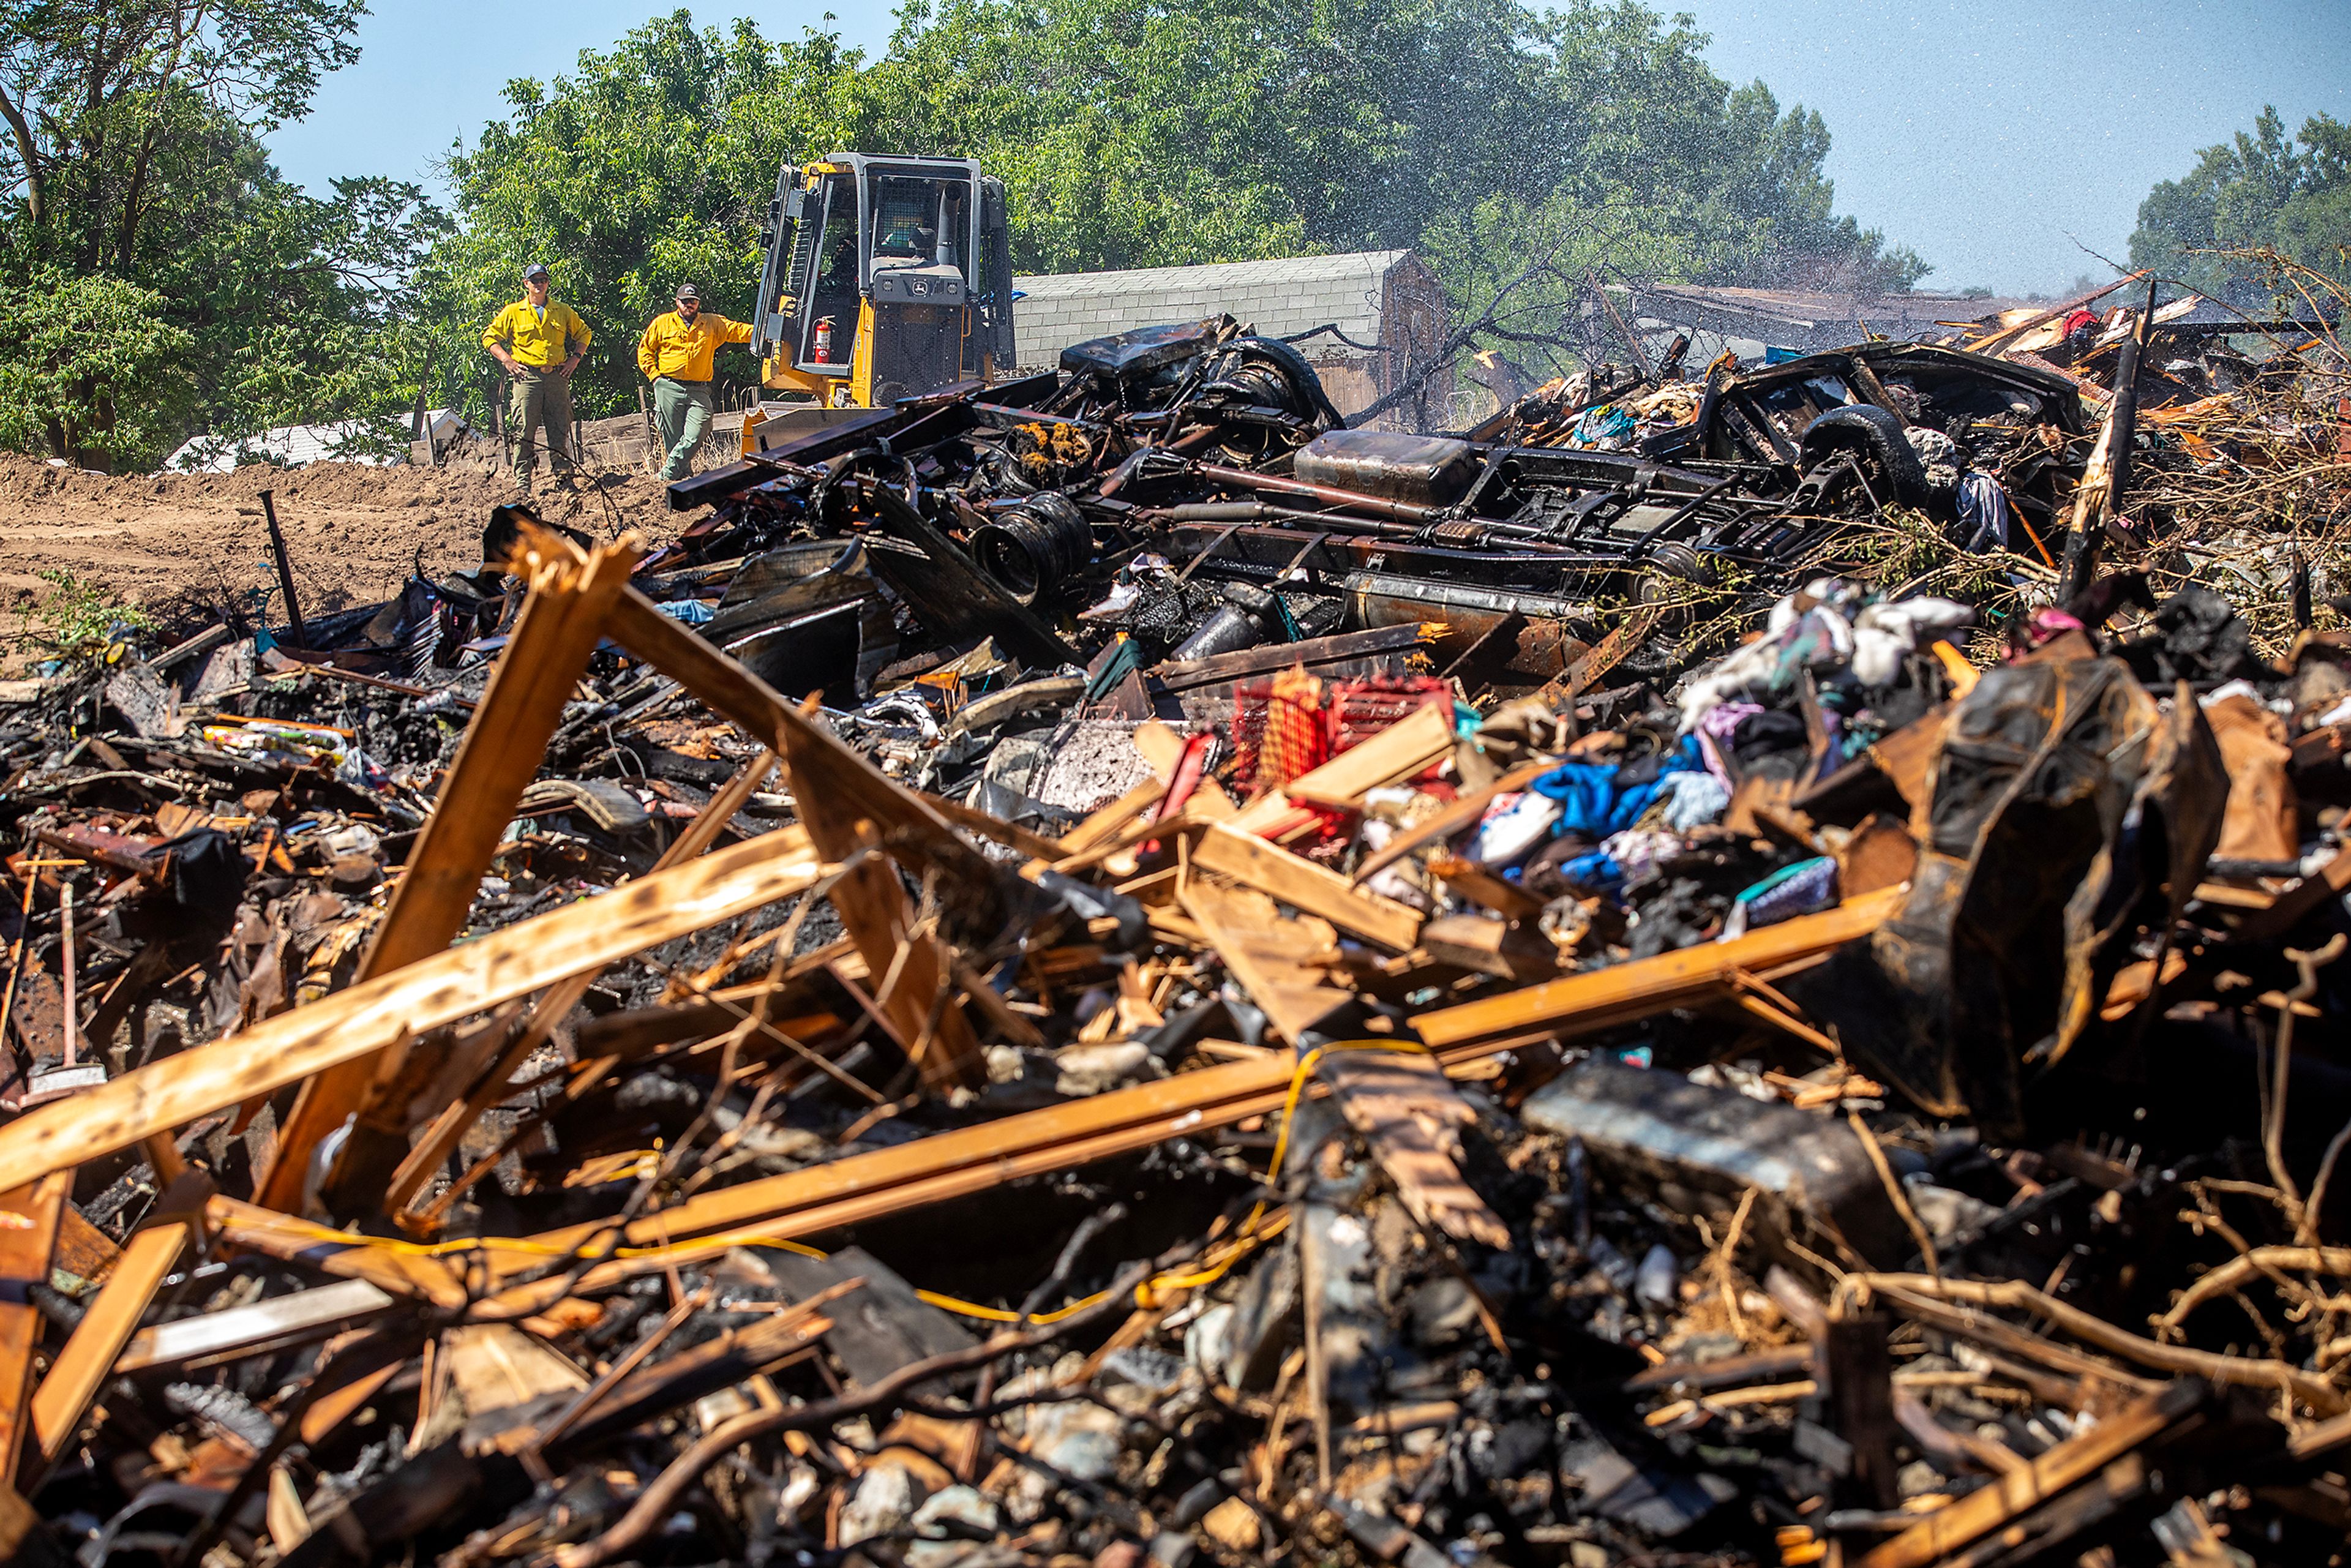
[{"x": 1198, "y": 461}]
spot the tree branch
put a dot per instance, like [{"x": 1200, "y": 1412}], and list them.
[{"x": 30, "y": 154}]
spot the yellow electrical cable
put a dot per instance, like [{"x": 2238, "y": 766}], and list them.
[{"x": 1210, "y": 1268}]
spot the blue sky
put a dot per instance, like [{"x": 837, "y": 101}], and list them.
[{"x": 1989, "y": 135}]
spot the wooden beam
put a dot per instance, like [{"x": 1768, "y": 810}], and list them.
[
  {"x": 448, "y": 1129},
  {"x": 354, "y": 1024},
  {"x": 1302, "y": 884},
  {"x": 28, "y": 1234},
  {"x": 1996, "y": 341},
  {"x": 1412, "y": 744},
  {"x": 560, "y": 624},
  {"x": 1623, "y": 992},
  {"x": 1105, "y": 823},
  {"x": 864, "y": 1187},
  {"x": 310, "y": 1315},
  {"x": 83, "y": 1249},
  {"x": 87, "y": 1359},
  {"x": 1011, "y": 835},
  {"x": 1269, "y": 954},
  {"x": 249, "y": 1228},
  {"x": 835, "y": 790}
]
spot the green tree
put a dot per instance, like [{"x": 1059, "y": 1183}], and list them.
[
  {"x": 88, "y": 367},
  {"x": 1140, "y": 132},
  {"x": 131, "y": 153},
  {"x": 1153, "y": 133},
  {"x": 2261, "y": 189}
]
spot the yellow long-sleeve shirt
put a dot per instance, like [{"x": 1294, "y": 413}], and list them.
[
  {"x": 542, "y": 339},
  {"x": 682, "y": 352}
]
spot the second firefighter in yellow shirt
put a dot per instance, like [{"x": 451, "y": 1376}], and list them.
[{"x": 675, "y": 354}]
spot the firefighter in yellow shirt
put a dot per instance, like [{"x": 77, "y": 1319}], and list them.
[
  {"x": 675, "y": 354},
  {"x": 541, "y": 343}
]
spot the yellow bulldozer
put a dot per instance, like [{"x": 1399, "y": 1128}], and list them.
[{"x": 886, "y": 277}]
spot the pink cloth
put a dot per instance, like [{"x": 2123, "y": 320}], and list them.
[{"x": 1715, "y": 728}]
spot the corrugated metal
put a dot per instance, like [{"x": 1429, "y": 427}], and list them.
[
  {"x": 1295, "y": 294},
  {"x": 292, "y": 446}
]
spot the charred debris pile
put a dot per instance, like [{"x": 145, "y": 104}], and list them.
[{"x": 1107, "y": 971}]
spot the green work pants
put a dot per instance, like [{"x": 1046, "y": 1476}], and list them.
[
  {"x": 540, "y": 401},
  {"x": 682, "y": 411}
]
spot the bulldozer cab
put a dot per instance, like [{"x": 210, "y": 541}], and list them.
[{"x": 886, "y": 277}]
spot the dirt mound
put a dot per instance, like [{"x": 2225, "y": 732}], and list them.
[{"x": 183, "y": 543}]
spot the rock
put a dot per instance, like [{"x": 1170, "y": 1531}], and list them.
[
  {"x": 1658, "y": 1273},
  {"x": 1233, "y": 1525},
  {"x": 962, "y": 1515},
  {"x": 1091, "y": 1069},
  {"x": 885, "y": 1500}
]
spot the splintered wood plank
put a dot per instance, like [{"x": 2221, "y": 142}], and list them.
[
  {"x": 1304, "y": 885},
  {"x": 312, "y": 1314},
  {"x": 836, "y": 791},
  {"x": 864, "y": 1187},
  {"x": 448, "y": 1130},
  {"x": 1462, "y": 815},
  {"x": 29, "y": 1237},
  {"x": 1012, "y": 835},
  {"x": 248, "y": 1227},
  {"x": 1410, "y": 1116},
  {"x": 1599, "y": 998},
  {"x": 560, "y": 624},
  {"x": 1105, "y": 823},
  {"x": 357, "y": 1023},
  {"x": 83, "y": 1249},
  {"x": 1264, "y": 949},
  {"x": 495, "y": 1366},
  {"x": 81, "y": 1368},
  {"x": 1480, "y": 887}
]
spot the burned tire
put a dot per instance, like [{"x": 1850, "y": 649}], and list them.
[
  {"x": 1033, "y": 551},
  {"x": 1267, "y": 373},
  {"x": 1677, "y": 639},
  {"x": 1877, "y": 438}
]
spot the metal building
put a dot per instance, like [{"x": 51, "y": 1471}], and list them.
[{"x": 1365, "y": 318}]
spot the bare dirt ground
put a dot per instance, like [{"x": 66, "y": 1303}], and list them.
[{"x": 181, "y": 545}]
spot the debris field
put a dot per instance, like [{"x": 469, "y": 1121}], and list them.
[{"x": 1740, "y": 965}]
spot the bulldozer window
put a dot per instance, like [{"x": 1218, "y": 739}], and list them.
[
  {"x": 835, "y": 295},
  {"x": 912, "y": 217}
]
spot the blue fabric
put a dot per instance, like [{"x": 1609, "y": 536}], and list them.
[
  {"x": 1595, "y": 805},
  {"x": 1597, "y": 870},
  {"x": 1694, "y": 799},
  {"x": 1606, "y": 423},
  {"x": 1587, "y": 793}
]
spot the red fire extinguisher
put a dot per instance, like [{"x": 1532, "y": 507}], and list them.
[{"x": 824, "y": 339}]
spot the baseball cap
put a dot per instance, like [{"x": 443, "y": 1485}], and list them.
[
  {"x": 536, "y": 269},
  {"x": 688, "y": 291}
]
